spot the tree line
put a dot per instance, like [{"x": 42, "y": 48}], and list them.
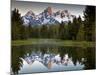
[{"x": 77, "y": 29}]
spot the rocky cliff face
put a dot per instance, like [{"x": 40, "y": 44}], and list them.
[{"x": 47, "y": 17}]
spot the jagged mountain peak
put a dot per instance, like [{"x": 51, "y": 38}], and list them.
[
  {"x": 49, "y": 10},
  {"x": 48, "y": 16},
  {"x": 30, "y": 13}
]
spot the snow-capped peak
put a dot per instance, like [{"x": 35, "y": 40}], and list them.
[{"x": 47, "y": 17}]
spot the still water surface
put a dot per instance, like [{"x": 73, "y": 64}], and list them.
[{"x": 51, "y": 58}]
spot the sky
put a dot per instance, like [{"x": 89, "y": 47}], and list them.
[{"x": 38, "y": 7}]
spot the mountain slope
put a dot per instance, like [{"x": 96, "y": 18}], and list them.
[{"x": 47, "y": 17}]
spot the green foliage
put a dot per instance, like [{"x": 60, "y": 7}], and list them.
[
  {"x": 77, "y": 29},
  {"x": 44, "y": 31},
  {"x": 73, "y": 28},
  {"x": 62, "y": 31},
  {"x": 18, "y": 30},
  {"x": 80, "y": 35},
  {"x": 89, "y": 23}
]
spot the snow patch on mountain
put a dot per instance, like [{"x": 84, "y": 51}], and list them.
[{"x": 47, "y": 17}]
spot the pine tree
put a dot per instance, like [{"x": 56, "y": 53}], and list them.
[
  {"x": 18, "y": 30},
  {"x": 89, "y": 23},
  {"x": 62, "y": 31},
  {"x": 16, "y": 24},
  {"x": 80, "y": 34}
]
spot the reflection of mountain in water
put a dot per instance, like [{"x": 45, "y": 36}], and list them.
[
  {"x": 36, "y": 62},
  {"x": 48, "y": 58}
]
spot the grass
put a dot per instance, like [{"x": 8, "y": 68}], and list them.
[{"x": 53, "y": 42}]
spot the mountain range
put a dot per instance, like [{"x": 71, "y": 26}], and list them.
[{"x": 47, "y": 17}]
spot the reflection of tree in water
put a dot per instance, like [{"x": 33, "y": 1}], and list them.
[
  {"x": 76, "y": 53},
  {"x": 16, "y": 62},
  {"x": 16, "y": 54},
  {"x": 91, "y": 58},
  {"x": 62, "y": 51},
  {"x": 84, "y": 56}
]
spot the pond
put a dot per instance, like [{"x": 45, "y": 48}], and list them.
[{"x": 51, "y": 58}]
